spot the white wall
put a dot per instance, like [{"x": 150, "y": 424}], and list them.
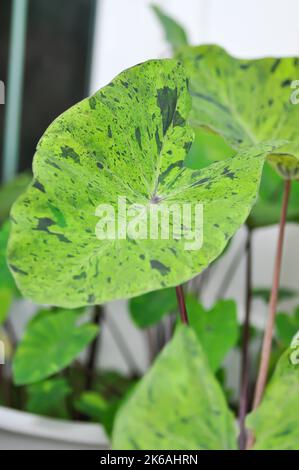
[{"x": 127, "y": 33}]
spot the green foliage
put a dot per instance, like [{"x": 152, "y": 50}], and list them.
[
  {"x": 49, "y": 345},
  {"x": 48, "y": 397},
  {"x": 217, "y": 329},
  {"x": 178, "y": 404},
  {"x": 287, "y": 326},
  {"x": 174, "y": 32},
  {"x": 245, "y": 101},
  {"x": 10, "y": 191},
  {"x": 137, "y": 150},
  {"x": 275, "y": 423},
  {"x": 98, "y": 409},
  {"x": 7, "y": 285},
  {"x": 148, "y": 309},
  {"x": 283, "y": 294}
]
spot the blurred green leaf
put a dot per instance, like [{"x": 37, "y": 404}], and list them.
[
  {"x": 275, "y": 423},
  {"x": 178, "y": 405},
  {"x": 175, "y": 34},
  {"x": 6, "y": 279},
  {"x": 6, "y": 298},
  {"x": 268, "y": 207},
  {"x": 48, "y": 398},
  {"x": 49, "y": 345},
  {"x": 148, "y": 309},
  {"x": 217, "y": 329},
  {"x": 10, "y": 192},
  {"x": 98, "y": 409},
  {"x": 283, "y": 293},
  {"x": 207, "y": 147},
  {"x": 287, "y": 326}
]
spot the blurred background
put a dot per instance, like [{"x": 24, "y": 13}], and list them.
[{"x": 55, "y": 53}]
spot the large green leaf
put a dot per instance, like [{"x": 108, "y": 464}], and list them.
[
  {"x": 246, "y": 101},
  {"x": 275, "y": 423},
  {"x": 217, "y": 329},
  {"x": 148, "y": 309},
  {"x": 49, "y": 345},
  {"x": 129, "y": 139},
  {"x": 174, "y": 32},
  {"x": 177, "y": 405}
]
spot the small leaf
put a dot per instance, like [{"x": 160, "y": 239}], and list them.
[
  {"x": 283, "y": 293},
  {"x": 246, "y": 101},
  {"x": 10, "y": 191},
  {"x": 148, "y": 309},
  {"x": 275, "y": 423},
  {"x": 98, "y": 409},
  {"x": 49, "y": 345},
  {"x": 48, "y": 397},
  {"x": 6, "y": 298},
  {"x": 178, "y": 405},
  {"x": 174, "y": 32},
  {"x": 217, "y": 329},
  {"x": 6, "y": 279},
  {"x": 128, "y": 140},
  {"x": 287, "y": 326}
]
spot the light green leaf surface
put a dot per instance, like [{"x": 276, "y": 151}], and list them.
[
  {"x": 175, "y": 34},
  {"x": 217, "y": 329},
  {"x": 246, "y": 101},
  {"x": 275, "y": 423},
  {"x": 178, "y": 404},
  {"x": 49, "y": 345},
  {"x": 148, "y": 309},
  {"x": 48, "y": 397},
  {"x": 129, "y": 139}
]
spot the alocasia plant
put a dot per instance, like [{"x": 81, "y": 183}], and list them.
[
  {"x": 129, "y": 139},
  {"x": 178, "y": 404}
]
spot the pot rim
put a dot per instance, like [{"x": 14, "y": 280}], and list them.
[{"x": 22, "y": 422}]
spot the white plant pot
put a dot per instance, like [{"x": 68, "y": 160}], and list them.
[{"x": 24, "y": 431}]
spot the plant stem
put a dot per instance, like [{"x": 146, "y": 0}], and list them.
[
  {"x": 181, "y": 304},
  {"x": 93, "y": 350},
  {"x": 267, "y": 341},
  {"x": 245, "y": 345}
]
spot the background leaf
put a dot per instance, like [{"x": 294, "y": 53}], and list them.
[
  {"x": 148, "y": 309},
  {"x": 217, "y": 329},
  {"x": 275, "y": 423},
  {"x": 10, "y": 191},
  {"x": 48, "y": 398},
  {"x": 174, "y": 32},
  {"x": 283, "y": 293},
  {"x": 245, "y": 101},
  {"x": 178, "y": 404},
  {"x": 49, "y": 345},
  {"x": 287, "y": 326}
]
